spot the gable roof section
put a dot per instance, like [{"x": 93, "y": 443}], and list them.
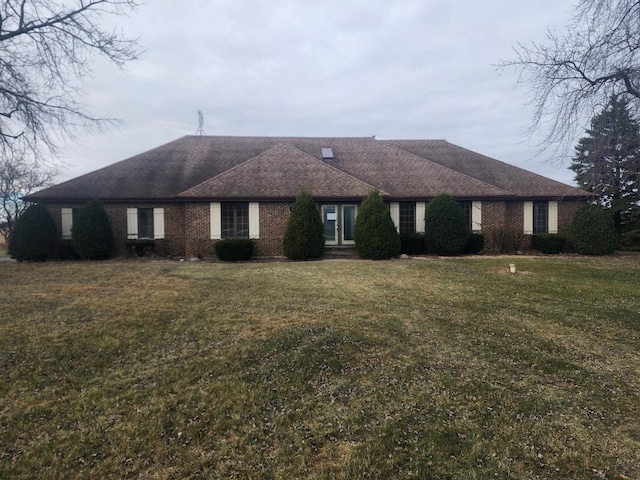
[
  {"x": 502, "y": 175},
  {"x": 280, "y": 173}
]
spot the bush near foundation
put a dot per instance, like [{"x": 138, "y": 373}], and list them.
[
  {"x": 91, "y": 233},
  {"x": 33, "y": 237},
  {"x": 375, "y": 233},
  {"x": 592, "y": 231},
  {"x": 304, "y": 236},
  {"x": 446, "y": 228},
  {"x": 234, "y": 249},
  {"x": 412, "y": 243},
  {"x": 475, "y": 243},
  {"x": 551, "y": 244}
]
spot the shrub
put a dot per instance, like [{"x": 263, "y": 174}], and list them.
[
  {"x": 412, "y": 243},
  {"x": 630, "y": 240},
  {"x": 141, "y": 248},
  {"x": 65, "y": 251},
  {"x": 475, "y": 243},
  {"x": 234, "y": 249},
  {"x": 375, "y": 234},
  {"x": 446, "y": 227},
  {"x": 592, "y": 231},
  {"x": 304, "y": 236},
  {"x": 91, "y": 232},
  {"x": 34, "y": 235},
  {"x": 507, "y": 240},
  {"x": 548, "y": 243}
]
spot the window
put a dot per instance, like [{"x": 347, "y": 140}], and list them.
[
  {"x": 407, "y": 223},
  {"x": 235, "y": 220},
  {"x": 145, "y": 223},
  {"x": 540, "y": 218},
  {"x": 466, "y": 208},
  {"x": 240, "y": 220},
  {"x": 67, "y": 216}
]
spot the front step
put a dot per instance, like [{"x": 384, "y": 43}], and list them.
[{"x": 340, "y": 253}]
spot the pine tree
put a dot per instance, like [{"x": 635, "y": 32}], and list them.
[
  {"x": 375, "y": 234},
  {"x": 607, "y": 161},
  {"x": 304, "y": 236}
]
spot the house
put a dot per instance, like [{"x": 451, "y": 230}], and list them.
[{"x": 189, "y": 193}]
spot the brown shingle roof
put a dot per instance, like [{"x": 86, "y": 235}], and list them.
[
  {"x": 277, "y": 167},
  {"x": 280, "y": 172}
]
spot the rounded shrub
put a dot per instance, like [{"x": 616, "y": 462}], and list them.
[
  {"x": 91, "y": 233},
  {"x": 446, "y": 229},
  {"x": 33, "y": 237},
  {"x": 304, "y": 235},
  {"x": 375, "y": 233},
  {"x": 475, "y": 243},
  {"x": 592, "y": 231},
  {"x": 551, "y": 244},
  {"x": 234, "y": 249}
]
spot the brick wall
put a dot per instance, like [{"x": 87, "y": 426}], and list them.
[{"x": 187, "y": 226}]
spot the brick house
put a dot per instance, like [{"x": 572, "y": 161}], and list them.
[{"x": 189, "y": 193}]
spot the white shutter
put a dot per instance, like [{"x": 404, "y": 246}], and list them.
[
  {"x": 394, "y": 210},
  {"x": 66, "y": 217},
  {"x": 132, "y": 223},
  {"x": 254, "y": 220},
  {"x": 158, "y": 223},
  {"x": 420, "y": 211},
  {"x": 215, "y": 215},
  {"x": 553, "y": 217},
  {"x": 476, "y": 216},
  {"x": 528, "y": 218}
]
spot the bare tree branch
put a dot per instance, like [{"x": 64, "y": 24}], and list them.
[
  {"x": 45, "y": 47},
  {"x": 572, "y": 76}
]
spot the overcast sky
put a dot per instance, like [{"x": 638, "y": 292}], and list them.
[{"x": 399, "y": 69}]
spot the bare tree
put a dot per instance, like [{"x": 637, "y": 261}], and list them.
[
  {"x": 45, "y": 48},
  {"x": 19, "y": 177},
  {"x": 572, "y": 76}
]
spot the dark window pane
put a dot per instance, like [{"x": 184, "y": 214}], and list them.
[
  {"x": 145, "y": 223},
  {"x": 466, "y": 208},
  {"x": 540, "y": 217},
  {"x": 407, "y": 217},
  {"x": 235, "y": 220}
]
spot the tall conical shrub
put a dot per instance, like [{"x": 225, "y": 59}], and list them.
[
  {"x": 33, "y": 236},
  {"x": 446, "y": 230},
  {"x": 304, "y": 235},
  {"x": 375, "y": 233},
  {"x": 592, "y": 231},
  {"x": 91, "y": 233}
]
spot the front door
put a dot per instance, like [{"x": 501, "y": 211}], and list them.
[{"x": 339, "y": 224}]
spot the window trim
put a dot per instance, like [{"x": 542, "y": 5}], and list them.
[{"x": 158, "y": 224}]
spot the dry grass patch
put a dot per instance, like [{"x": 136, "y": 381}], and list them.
[{"x": 398, "y": 369}]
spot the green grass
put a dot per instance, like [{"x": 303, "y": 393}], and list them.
[{"x": 442, "y": 369}]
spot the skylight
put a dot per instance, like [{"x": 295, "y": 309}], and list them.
[{"x": 327, "y": 153}]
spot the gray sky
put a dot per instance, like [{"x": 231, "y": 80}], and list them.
[{"x": 394, "y": 69}]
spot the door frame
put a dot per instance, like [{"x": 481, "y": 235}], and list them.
[{"x": 339, "y": 209}]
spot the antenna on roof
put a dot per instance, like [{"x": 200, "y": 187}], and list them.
[{"x": 200, "y": 131}]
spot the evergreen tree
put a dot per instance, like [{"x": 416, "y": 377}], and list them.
[
  {"x": 91, "y": 232},
  {"x": 304, "y": 236},
  {"x": 607, "y": 161},
  {"x": 34, "y": 235},
  {"x": 446, "y": 229},
  {"x": 375, "y": 234},
  {"x": 592, "y": 231}
]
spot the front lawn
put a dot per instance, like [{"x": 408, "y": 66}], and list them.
[{"x": 425, "y": 368}]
